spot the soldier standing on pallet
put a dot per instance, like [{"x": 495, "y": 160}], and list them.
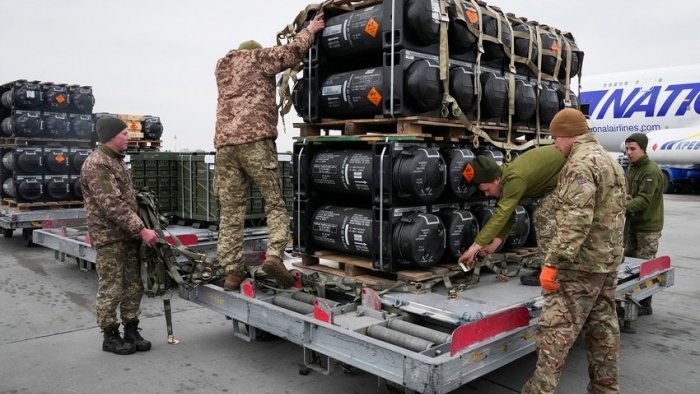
[
  {"x": 579, "y": 276},
  {"x": 534, "y": 174},
  {"x": 645, "y": 210},
  {"x": 116, "y": 232},
  {"x": 246, "y": 129}
]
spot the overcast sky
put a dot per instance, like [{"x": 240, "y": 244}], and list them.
[{"x": 157, "y": 57}]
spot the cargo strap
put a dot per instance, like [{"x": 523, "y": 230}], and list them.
[
  {"x": 159, "y": 265},
  {"x": 289, "y": 76},
  {"x": 450, "y": 105}
]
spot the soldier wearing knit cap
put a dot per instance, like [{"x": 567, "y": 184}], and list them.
[
  {"x": 579, "y": 276},
  {"x": 533, "y": 174},
  {"x": 246, "y": 129},
  {"x": 117, "y": 233},
  {"x": 108, "y": 127},
  {"x": 645, "y": 208}
]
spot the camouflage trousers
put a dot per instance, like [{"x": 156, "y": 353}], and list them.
[
  {"x": 236, "y": 166},
  {"x": 545, "y": 226},
  {"x": 585, "y": 301},
  {"x": 642, "y": 245},
  {"x": 118, "y": 282}
]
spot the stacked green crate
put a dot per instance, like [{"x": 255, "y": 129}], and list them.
[
  {"x": 156, "y": 170},
  {"x": 195, "y": 183},
  {"x": 196, "y": 188},
  {"x": 285, "y": 168}
]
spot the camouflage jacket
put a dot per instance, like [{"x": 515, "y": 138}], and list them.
[
  {"x": 590, "y": 219},
  {"x": 533, "y": 175},
  {"x": 110, "y": 200},
  {"x": 246, "y": 110}
]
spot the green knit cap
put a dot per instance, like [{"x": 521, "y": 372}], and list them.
[
  {"x": 641, "y": 140},
  {"x": 248, "y": 45},
  {"x": 108, "y": 127},
  {"x": 482, "y": 169}
]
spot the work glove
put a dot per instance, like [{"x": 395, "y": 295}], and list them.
[{"x": 548, "y": 279}]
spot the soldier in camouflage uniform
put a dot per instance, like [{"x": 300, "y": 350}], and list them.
[
  {"x": 579, "y": 277},
  {"x": 645, "y": 209},
  {"x": 246, "y": 129},
  {"x": 116, "y": 233},
  {"x": 534, "y": 174}
]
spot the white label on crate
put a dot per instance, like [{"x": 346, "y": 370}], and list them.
[
  {"x": 210, "y": 159},
  {"x": 30, "y": 94},
  {"x": 329, "y": 90},
  {"x": 127, "y": 158},
  {"x": 332, "y": 30},
  {"x": 284, "y": 157}
]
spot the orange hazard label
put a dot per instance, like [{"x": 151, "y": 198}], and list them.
[
  {"x": 554, "y": 47},
  {"x": 472, "y": 16},
  {"x": 468, "y": 172},
  {"x": 372, "y": 28},
  {"x": 60, "y": 99},
  {"x": 374, "y": 96},
  {"x": 60, "y": 158}
]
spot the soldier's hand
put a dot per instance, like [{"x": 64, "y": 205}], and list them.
[
  {"x": 467, "y": 258},
  {"x": 317, "y": 24},
  {"x": 149, "y": 237}
]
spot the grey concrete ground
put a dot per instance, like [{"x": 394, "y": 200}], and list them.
[{"x": 49, "y": 342}]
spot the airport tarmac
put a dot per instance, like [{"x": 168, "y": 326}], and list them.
[{"x": 49, "y": 342}]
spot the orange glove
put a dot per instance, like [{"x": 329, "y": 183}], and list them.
[{"x": 548, "y": 279}]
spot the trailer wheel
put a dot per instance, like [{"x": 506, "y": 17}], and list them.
[
  {"x": 27, "y": 235},
  {"x": 7, "y": 232}
]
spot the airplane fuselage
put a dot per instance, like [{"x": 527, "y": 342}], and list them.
[{"x": 663, "y": 103}]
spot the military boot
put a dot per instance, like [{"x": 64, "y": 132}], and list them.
[
  {"x": 131, "y": 335},
  {"x": 274, "y": 267},
  {"x": 233, "y": 280},
  {"x": 114, "y": 343}
]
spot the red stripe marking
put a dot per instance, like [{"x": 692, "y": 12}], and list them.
[
  {"x": 654, "y": 266},
  {"x": 248, "y": 288},
  {"x": 322, "y": 312},
  {"x": 185, "y": 239},
  {"x": 471, "y": 333}
]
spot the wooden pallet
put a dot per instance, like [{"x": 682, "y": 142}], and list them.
[
  {"x": 145, "y": 144},
  {"x": 361, "y": 269},
  {"x": 28, "y": 206},
  {"x": 439, "y": 129}
]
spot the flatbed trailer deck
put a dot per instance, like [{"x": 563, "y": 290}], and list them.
[
  {"x": 453, "y": 337},
  {"x": 72, "y": 242},
  {"x": 483, "y": 328},
  {"x": 12, "y": 219}
]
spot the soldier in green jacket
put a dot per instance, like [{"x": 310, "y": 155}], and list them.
[
  {"x": 645, "y": 209},
  {"x": 579, "y": 276},
  {"x": 534, "y": 174}
]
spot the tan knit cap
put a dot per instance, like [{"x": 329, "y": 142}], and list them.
[{"x": 568, "y": 122}]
